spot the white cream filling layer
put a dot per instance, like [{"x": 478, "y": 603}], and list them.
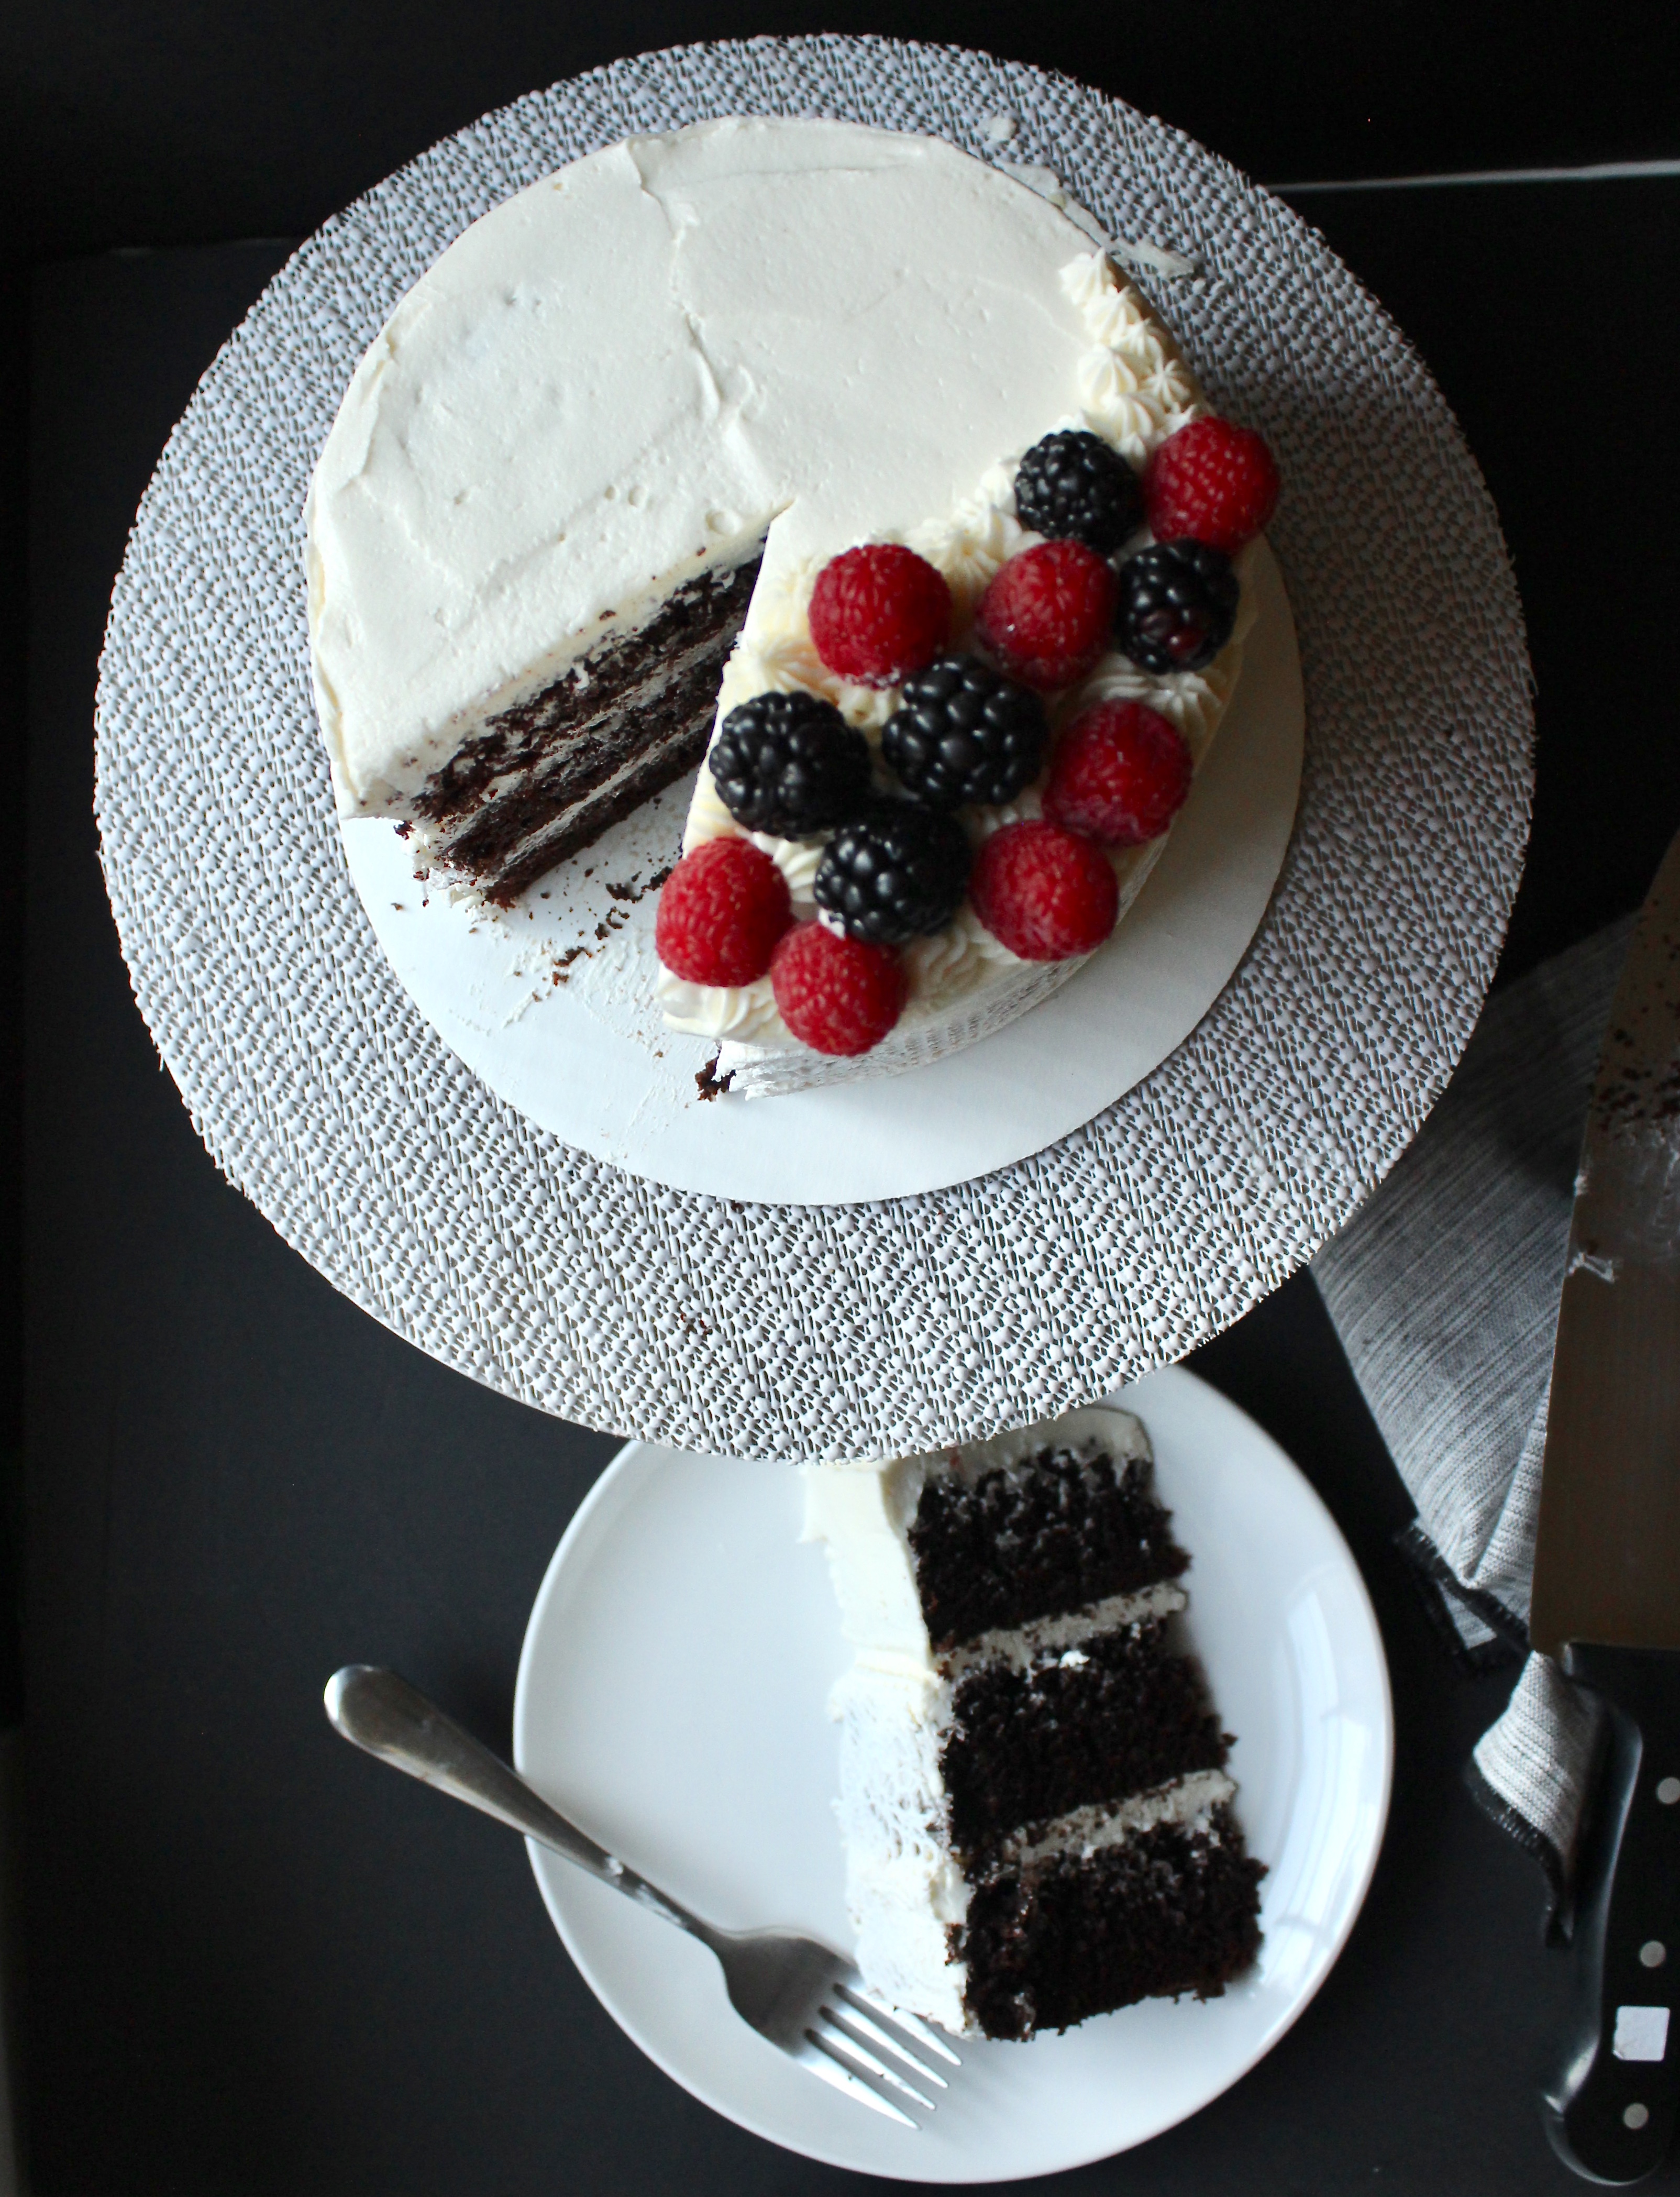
[
  {"x": 1021, "y": 1646},
  {"x": 1187, "y": 1803}
]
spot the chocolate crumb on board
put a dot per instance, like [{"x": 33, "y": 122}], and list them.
[{"x": 709, "y": 1084}]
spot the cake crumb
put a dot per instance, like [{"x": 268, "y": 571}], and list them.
[{"x": 709, "y": 1083}]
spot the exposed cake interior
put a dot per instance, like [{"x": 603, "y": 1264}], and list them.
[
  {"x": 1037, "y": 1817},
  {"x": 547, "y": 775}
]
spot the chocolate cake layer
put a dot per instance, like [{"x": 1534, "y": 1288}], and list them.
[
  {"x": 548, "y": 776},
  {"x": 1174, "y": 1909},
  {"x": 1028, "y": 1540},
  {"x": 1120, "y": 1715},
  {"x": 530, "y": 827}
]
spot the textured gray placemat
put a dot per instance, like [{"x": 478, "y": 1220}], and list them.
[{"x": 816, "y": 1332}]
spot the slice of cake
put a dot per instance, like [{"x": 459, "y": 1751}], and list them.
[{"x": 1038, "y": 1820}]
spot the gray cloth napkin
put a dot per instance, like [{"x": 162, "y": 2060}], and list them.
[{"x": 1445, "y": 1292}]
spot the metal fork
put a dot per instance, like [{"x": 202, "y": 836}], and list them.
[{"x": 807, "y": 2001}]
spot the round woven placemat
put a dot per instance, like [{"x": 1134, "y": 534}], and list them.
[{"x": 818, "y": 1333}]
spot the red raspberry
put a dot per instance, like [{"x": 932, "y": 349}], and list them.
[
  {"x": 1045, "y": 616},
  {"x": 1047, "y": 894},
  {"x": 837, "y": 995},
  {"x": 879, "y": 614},
  {"x": 721, "y": 910},
  {"x": 1120, "y": 774},
  {"x": 1212, "y": 482}
]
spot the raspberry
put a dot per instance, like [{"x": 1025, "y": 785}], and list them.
[
  {"x": 896, "y": 872},
  {"x": 1212, "y": 482},
  {"x": 1046, "y": 893},
  {"x": 790, "y": 764},
  {"x": 962, "y": 731},
  {"x": 1120, "y": 774},
  {"x": 1075, "y": 486},
  {"x": 1178, "y": 605},
  {"x": 837, "y": 995},
  {"x": 721, "y": 910},
  {"x": 879, "y": 614},
  {"x": 1045, "y": 616}
]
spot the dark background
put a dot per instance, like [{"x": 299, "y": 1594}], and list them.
[{"x": 257, "y": 1962}]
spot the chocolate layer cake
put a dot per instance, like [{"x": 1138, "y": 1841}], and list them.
[
  {"x": 536, "y": 525},
  {"x": 1038, "y": 1820}
]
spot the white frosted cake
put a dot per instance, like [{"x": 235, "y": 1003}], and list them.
[
  {"x": 583, "y": 484},
  {"x": 1037, "y": 1816}
]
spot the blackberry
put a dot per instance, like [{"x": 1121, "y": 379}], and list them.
[
  {"x": 965, "y": 732},
  {"x": 790, "y": 764},
  {"x": 1074, "y": 486},
  {"x": 1177, "y": 603},
  {"x": 894, "y": 872}
]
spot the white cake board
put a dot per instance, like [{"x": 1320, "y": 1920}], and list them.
[
  {"x": 850, "y": 1330},
  {"x": 589, "y": 1058}
]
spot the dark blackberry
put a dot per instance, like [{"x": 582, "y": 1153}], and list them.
[
  {"x": 965, "y": 732},
  {"x": 790, "y": 764},
  {"x": 1074, "y": 486},
  {"x": 1177, "y": 603},
  {"x": 895, "y": 871}
]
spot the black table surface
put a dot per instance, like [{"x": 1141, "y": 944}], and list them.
[{"x": 257, "y": 1962}]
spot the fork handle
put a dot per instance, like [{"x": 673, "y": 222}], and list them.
[{"x": 386, "y": 1716}]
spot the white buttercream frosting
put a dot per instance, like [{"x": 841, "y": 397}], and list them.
[
  {"x": 1188, "y": 1801},
  {"x": 627, "y": 373}
]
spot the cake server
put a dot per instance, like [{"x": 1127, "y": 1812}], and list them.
[
  {"x": 1607, "y": 1566},
  {"x": 807, "y": 2001}
]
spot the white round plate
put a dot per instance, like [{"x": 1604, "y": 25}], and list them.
[
  {"x": 672, "y": 1699},
  {"x": 589, "y": 1058}
]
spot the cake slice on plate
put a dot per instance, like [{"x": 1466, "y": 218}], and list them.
[{"x": 1039, "y": 1822}]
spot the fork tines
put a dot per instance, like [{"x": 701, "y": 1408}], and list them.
[{"x": 850, "y": 2024}]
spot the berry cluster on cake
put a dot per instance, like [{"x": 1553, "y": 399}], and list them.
[
  {"x": 943, "y": 768},
  {"x": 1038, "y": 1819}
]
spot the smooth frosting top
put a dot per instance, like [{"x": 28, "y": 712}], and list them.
[{"x": 621, "y": 376}]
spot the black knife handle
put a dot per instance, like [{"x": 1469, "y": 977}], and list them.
[{"x": 1611, "y": 2113}]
